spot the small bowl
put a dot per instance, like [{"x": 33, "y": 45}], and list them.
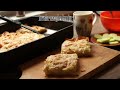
[{"x": 111, "y": 21}]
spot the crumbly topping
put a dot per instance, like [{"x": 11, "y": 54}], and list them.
[
  {"x": 11, "y": 40},
  {"x": 77, "y": 46},
  {"x": 61, "y": 63}
]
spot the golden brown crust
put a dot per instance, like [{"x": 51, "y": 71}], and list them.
[
  {"x": 11, "y": 40},
  {"x": 79, "y": 46},
  {"x": 39, "y": 29},
  {"x": 61, "y": 65}
]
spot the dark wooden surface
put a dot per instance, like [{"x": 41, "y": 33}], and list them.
[
  {"x": 100, "y": 59},
  {"x": 112, "y": 72}
]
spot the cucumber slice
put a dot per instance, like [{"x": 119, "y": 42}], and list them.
[
  {"x": 99, "y": 40},
  {"x": 118, "y": 38},
  {"x": 112, "y": 39},
  {"x": 115, "y": 42},
  {"x": 97, "y": 36},
  {"x": 103, "y": 40},
  {"x": 106, "y": 35},
  {"x": 112, "y": 34}
]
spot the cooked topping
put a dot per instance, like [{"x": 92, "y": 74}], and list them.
[
  {"x": 39, "y": 29},
  {"x": 11, "y": 40},
  {"x": 81, "y": 47},
  {"x": 61, "y": 64}
]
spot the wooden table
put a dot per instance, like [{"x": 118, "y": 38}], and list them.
[{"x": 112, "y": 72}]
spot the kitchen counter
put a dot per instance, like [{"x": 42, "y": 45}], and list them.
[
  {"x": 110, "y": 73},
  {"x": 12, "y": 14}
]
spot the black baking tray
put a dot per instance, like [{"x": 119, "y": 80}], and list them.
[{"x": 36, "y": 48}]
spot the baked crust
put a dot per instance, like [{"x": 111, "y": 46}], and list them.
[
  {"x": 39, "y": 29},
  {"x": 61, "y": 65},
  {"x": 11, "y": 40},
  {"x": 81, "y": 47}
]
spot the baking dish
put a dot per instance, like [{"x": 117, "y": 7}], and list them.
[{"x": 20, "y": 55}]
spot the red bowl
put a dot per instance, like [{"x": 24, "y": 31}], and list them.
[{"x": 109, "y": 22}]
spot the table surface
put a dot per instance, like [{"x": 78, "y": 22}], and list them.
[{"x": 113, "y": 72}]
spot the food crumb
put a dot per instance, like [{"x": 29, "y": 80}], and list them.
[{"x": 82, "y": 70}]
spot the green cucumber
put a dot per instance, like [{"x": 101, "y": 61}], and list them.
[
  {"x": 115, "y": 42},
  {"x": 111, "y": 38},
  {"x": 97, "y": 36}
]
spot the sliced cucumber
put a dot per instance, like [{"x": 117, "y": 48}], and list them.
[
  {"x": 99, "y": 40},
  {"x": 118, "y": 38},
  {"x": 112, "y": 34},
  {"x": 97, "y": 36},
  {"x": 103, "y": 40},
  {"x": 115, "y": 42},
  {"x": 106, "y": 35},
  {"x": 111, "y": 38}
]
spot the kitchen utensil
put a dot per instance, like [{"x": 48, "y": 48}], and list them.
[{"x": 18, "y": 23}]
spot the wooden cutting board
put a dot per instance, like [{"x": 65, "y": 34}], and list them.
[{"x": 101, "y": 58}]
